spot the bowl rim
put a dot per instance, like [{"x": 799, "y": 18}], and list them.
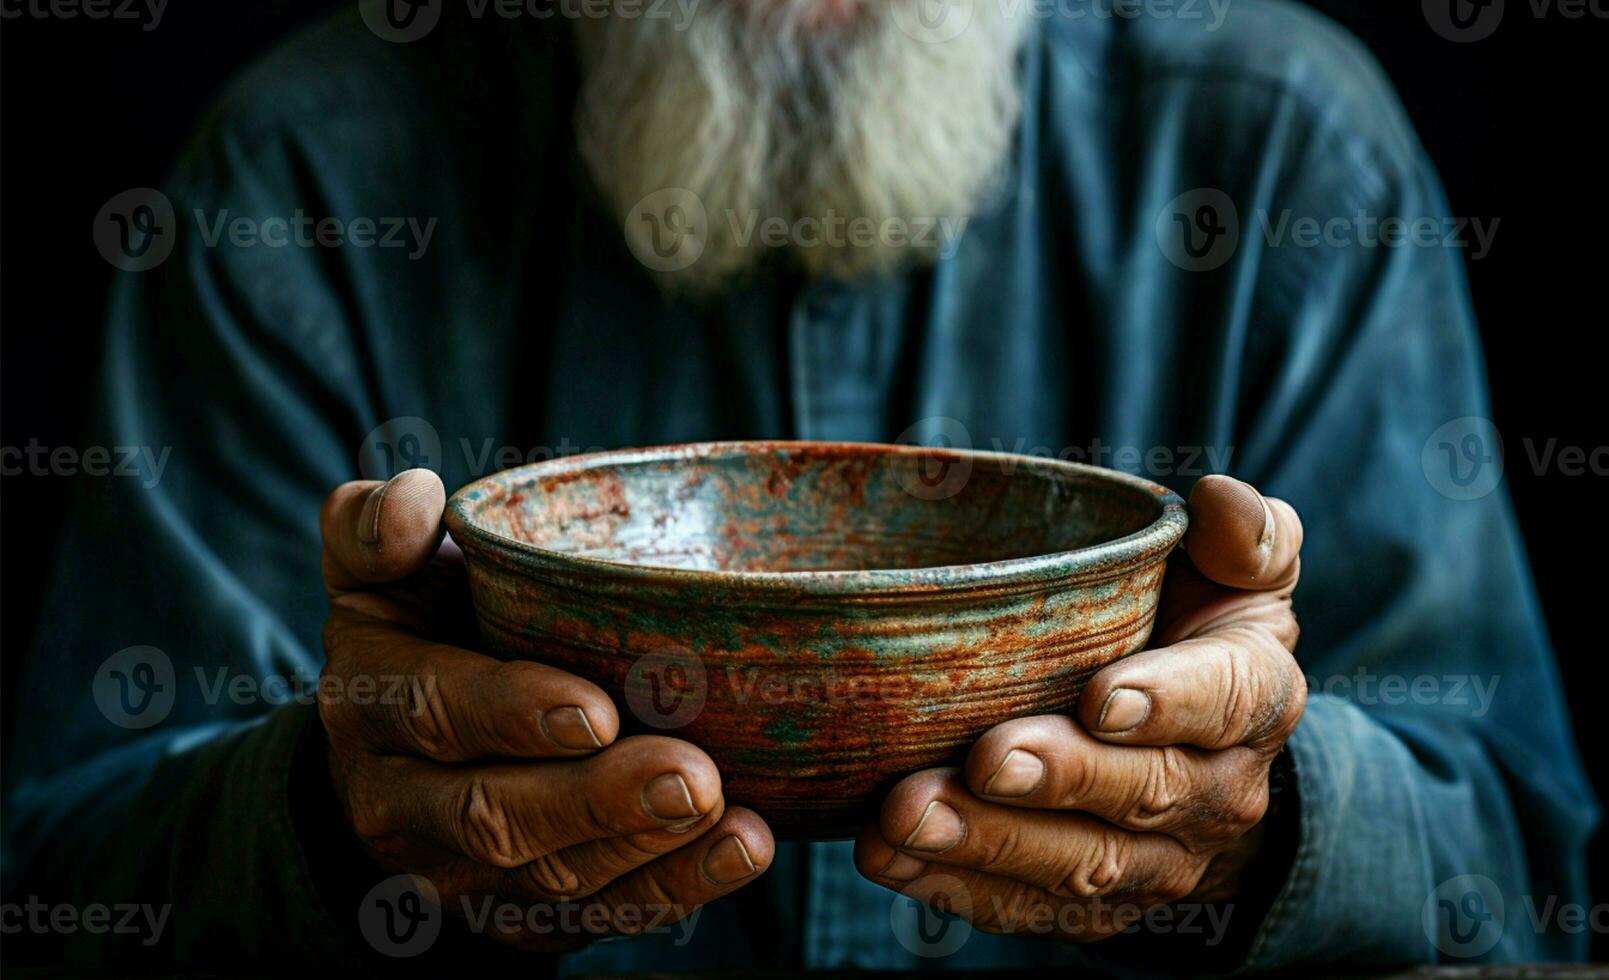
[{"x": 1109, "y": 559}]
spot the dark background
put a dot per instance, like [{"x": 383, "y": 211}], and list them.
[{"x": 91, "y": 108}]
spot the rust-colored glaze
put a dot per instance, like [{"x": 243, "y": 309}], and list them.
[{"x": 821, "y": 618}]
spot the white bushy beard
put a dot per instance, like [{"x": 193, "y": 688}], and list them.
[{"x": 764, "y": 114}]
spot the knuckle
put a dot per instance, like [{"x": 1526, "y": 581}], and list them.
[
  {"x": 426, "y": 718},
  {"x": 1000, "y": 846},
  {"x": 1248, "y": 810},
  {"x": 1165, "y": 790},
  {"x": 552, "y": 879},
  {"x": 1296, "y": 702},
  {"x": 1098, "y": 870},
  {"x": 486, "y": 829}
]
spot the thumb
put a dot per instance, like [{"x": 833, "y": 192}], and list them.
[
  {"x": 381, "y": 532},
  {"x": 1241, "y": 539}
]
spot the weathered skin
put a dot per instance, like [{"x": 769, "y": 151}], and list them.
[{"x": 822, "y": 619}]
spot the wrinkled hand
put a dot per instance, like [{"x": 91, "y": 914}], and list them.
[
  {"x": 501, "y": 780},
  {"x": 1156, "y": 792}
]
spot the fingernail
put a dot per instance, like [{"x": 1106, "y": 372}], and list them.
[
  {"x": 1125, "y": 708},
  {"x": 902, "y": 868},
  {"x": 568, "y": 728},
  {"x": 369, "y": 520},
  {"x": 728, "y": 861},
  {"x": 1020, "y": 773},
  {"x": 667, "y": 798},
  {"x": 939, "y": 829}
]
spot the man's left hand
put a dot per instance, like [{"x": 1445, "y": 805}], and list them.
[{"x": 1157, "y": 791}]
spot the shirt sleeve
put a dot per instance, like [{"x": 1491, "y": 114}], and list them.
[
  {"x": 175, "y": 664},
  {"x": 1443, "y": 806}
]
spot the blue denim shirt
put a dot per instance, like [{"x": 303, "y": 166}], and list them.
[{"x": 1142, "y": 295}]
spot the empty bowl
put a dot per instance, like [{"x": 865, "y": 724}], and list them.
[{"x": 821, "y": 618}]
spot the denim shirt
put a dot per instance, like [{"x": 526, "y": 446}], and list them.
[{"x": 1140, "y": 293}]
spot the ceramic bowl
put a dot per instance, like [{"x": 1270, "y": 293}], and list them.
[{"x": 821, "y": 618}]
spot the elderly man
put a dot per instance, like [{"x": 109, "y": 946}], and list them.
[{"x": 1019, "y": 225}]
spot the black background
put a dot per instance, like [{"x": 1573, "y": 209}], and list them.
[{"x": 1514, "y": 122}]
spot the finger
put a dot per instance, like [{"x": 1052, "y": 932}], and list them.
[
  {"x": 1240, "y": 538},
  {"x": 512, "y": 814},
  {"x": 1201, "y": 799},
  {"x": 1238, "y": 686},
  {"x": 579, "y": 871},
  {"x": 654, "y": 897},
  {"x": 381, "y": 532},
  {"x": 991, "y": 902},
  {"x": 931, "y": 817},
  {"x": 732, "y": 854},
  {"x": 453, "y": 705}
]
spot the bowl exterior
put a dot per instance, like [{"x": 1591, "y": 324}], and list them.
[{"x": 814, "y": 705}]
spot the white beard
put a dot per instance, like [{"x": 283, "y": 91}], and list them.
[{"x": 758, "y": 115}]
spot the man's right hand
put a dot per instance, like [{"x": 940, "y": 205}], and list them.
[{"x": 500, "y": 779}]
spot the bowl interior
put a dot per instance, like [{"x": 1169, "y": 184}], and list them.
[{"x": 808, "y": 507}]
